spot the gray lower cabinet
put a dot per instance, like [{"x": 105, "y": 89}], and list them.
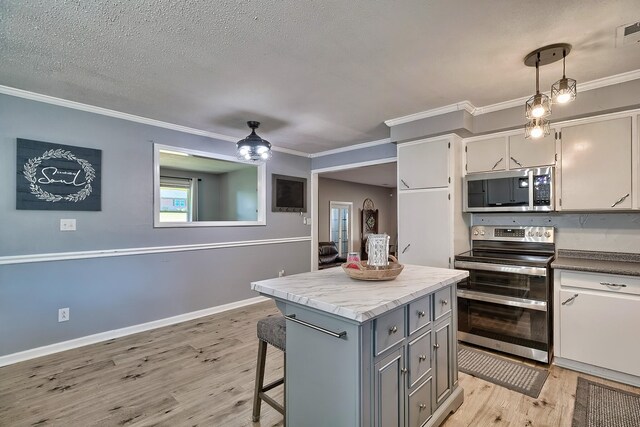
[
  {"x": 414, "y": 376},
  {"x": 397, "y": 369},
  {"x": 388, "y": 385}
]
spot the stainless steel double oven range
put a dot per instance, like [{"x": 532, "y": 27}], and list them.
[{"x": 506, "y": 303}]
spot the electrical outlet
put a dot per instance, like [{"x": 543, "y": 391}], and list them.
[
  {"x": 307, "y": 221},
  {"x": 68, "y": 224},
  {"x": 63, "y": 314},
  {"x": 281, "y": 273}
]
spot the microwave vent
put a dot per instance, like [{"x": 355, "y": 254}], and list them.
[{"x": 628, "y": 34}]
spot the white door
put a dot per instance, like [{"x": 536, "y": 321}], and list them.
[
  {"x": 340, "y": 230},
  {"x": 596, "y": 166},
  {"x": 424, "y": 227},
  {"x": 529, "y": 153},
  {"x": 487, "y": 155},
  {"x": 423, "y": 165}
]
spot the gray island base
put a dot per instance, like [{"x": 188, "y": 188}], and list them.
[{"x": 369, "y": 353}]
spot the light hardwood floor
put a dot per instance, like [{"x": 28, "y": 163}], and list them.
[{"x": 202, "y": 373}]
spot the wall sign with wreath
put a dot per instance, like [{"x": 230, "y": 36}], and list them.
[{"x": 57, "y": 177}]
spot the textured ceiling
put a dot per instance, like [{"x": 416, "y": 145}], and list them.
[{"x": 318, "y": 74}]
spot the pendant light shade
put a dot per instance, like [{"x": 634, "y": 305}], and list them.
[
  {"x": 253, "y": 147},
  {"x": 564, "y": 90},
  {"x": 537, "y": 128},
  {"x": 539, "y": 105}
]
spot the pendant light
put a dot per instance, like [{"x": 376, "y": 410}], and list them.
[
  {"x": 539, "y": 105},
  {"x": 564, "y": 90},
  {"x": 253, "y": 147}
]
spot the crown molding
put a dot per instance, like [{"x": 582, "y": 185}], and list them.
[
  {"x": 458, "y": 106},
  {"x": 351, "y": 147},
  {"x": 20, "y": 93},
  {"x": 476, "y": 111}
]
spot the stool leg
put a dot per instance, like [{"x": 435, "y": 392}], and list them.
[{"x": 262, "y": 357}]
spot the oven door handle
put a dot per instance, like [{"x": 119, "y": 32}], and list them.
[
  {"x": 503, "y": 268},
  {"x": 502, "y": 300}
]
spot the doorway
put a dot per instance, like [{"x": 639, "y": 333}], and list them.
[{"x": 340, "y": 229}]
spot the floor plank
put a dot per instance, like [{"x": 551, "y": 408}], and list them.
[{"x": 202, "y": 372}]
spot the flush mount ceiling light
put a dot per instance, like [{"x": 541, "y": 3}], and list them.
[
  {"x": 253, "y": 147},
  {"x": 538, "y": 107}
]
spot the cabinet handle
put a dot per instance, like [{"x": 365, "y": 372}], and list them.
[
  {"x": 620, "y": 200},
  {"x": 570, "y": 299},
  {"x": 516, "y": 162},
  {"x": 405, "y": 248},
  {"x": 404, "y": 183},
  {"x": 436, "y": 346},
  {"x": 292, "y": 317},
  {"x": 421, "y": 313},
  {"x": 393, "y": 330},
  {"x": 422, "y": 357},
  {"x": 422, "y": 406},
  {"x": 497, "y": 163},
  {"x": 444, "y": 302},
  {"x": 404, "y": 370},
  {"x": 615, "y": 285}
]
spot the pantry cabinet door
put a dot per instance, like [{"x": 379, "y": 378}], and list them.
[
  {"x": 424, "y": 227},
  {"x": 423, "y": 165},
  {"x": 596, "y": 166},
  {"x": 487, "y": 155},
  {"x": 531, "y": 153}
]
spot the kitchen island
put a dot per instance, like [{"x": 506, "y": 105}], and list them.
[{"x": 365, "y": 353}]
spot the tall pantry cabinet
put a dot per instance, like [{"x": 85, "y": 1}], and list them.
[{"x": 431, "y": 225}]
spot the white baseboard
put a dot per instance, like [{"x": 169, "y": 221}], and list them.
[
  {"x": 117, "y": 333},
  {"x": 597, "y": 371}
]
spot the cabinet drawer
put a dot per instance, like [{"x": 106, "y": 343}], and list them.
[
  {"x": 419, "y": 314},
  {"x": 419, "y": 358},
  {"x": 420, "y": 404},
  {"x": 442, "y": 303},
  {"x": 389, "y": 330},
  {"x": 601, "y": 282}
]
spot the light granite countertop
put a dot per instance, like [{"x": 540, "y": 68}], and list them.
[
  {"x": 332, "y": 291},
  {"x": 598, "y": 262}
]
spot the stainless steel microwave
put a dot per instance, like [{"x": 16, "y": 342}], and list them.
[{"x": 510, "y": 191}]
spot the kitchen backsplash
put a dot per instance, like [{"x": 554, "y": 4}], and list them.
[{"x": 615, "y": 232}]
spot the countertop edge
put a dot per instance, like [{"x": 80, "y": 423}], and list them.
[
  {"x": 351, "y": 314},
  {"x": 607, "y": 267}
]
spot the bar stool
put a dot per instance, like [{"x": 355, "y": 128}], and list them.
[{"x": 271, "y": 330}]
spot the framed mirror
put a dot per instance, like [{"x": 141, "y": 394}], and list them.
[{"x": 199, "y": 189}]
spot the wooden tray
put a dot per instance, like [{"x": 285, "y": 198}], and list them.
[{"x": 366, "y": 272}]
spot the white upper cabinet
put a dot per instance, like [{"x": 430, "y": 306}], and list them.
[
  {"x": 487, "y": 155},
  {"x": 423, "y": 165},
  {"x": 531, "y": 153},
  {"x": 596, "y": 166}
]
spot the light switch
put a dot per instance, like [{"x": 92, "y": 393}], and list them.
[{"x": 68, "y": 224}]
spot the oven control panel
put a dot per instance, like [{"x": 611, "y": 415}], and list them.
[{"x": 516, "y": 233}]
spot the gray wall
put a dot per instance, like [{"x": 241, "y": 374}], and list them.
[
  {"x": 110, "y": 293},
  {"x": 238, "y": 193},
  {"x": 384, "y": 199},
  {"x": 377, "y": 152}
]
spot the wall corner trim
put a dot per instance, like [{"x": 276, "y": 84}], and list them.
[{"x": 117, "y": 333}]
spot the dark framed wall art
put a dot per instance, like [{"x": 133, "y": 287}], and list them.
[{"x": 57, "y": 177}]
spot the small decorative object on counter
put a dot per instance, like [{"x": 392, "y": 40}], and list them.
[
  {"x": 353, "y": 259},
  {"x": 364, "y": 271},
  {"x": 378, "y": 250}
]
